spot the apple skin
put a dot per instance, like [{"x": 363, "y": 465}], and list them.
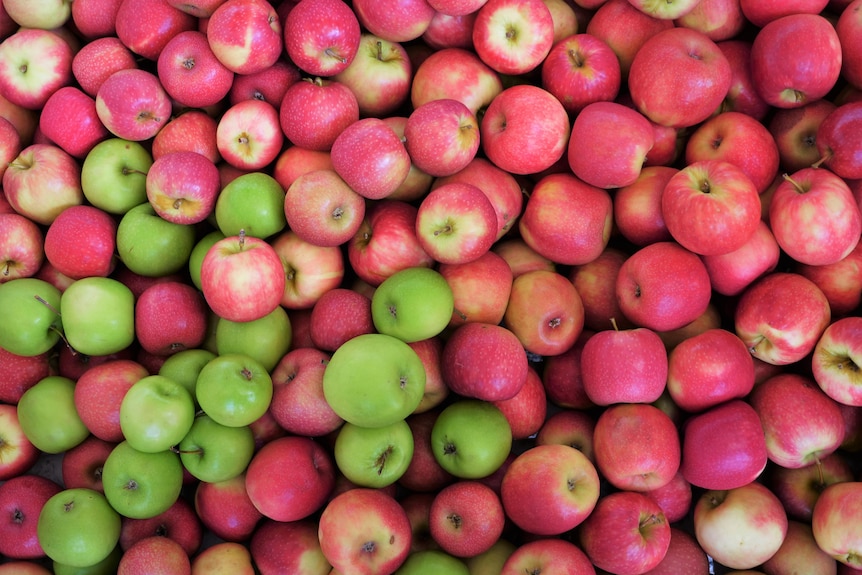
[
  {"x": 488, "y": 275},
  {"x": 650, "y": 465},
  {"x": 424, "y": 474},
  {"x": 270, "y": 84},
  {"x": 551, "y": 555},
  {"x": 132, "y": 104},
  {"x": 650, "y": 298},
  {"x": 455, "y": 73},
  {"x": 782, "y": 72},
  {"x": 627, "y": 533},
  {"x": 834, "y": 351},
  {"x": 323, "y": 209},
  {"x": 848, "y": 29},
  {"x": 800, "y": 548},
  {"x": 731, "y": 273},
  {"x": 525, "y": 113},
  {"x": 292, "y": 547},
  {"x": 674, "y": 497},
  {"x": 742, "y": 527},
  {"x": 560, "y": 239},
  {"x": 637, "y": 207},
  {"x": 581, "y": 69},
  {"x": 35, "y": 64},
  {"x": 42, "y": 181},
  {"x": 69, "y": 119},
  {"x": 23, "y": 373},
  {"x": 692, "y": 64},
  {"x": 81, "y": 242},
  {"x": 96, "y": 60},
  {"x": 742, "y": 95},
  {"x": 840, "y": 282},
  {"x": 684, "y": 555},
  {"x": 718, "y": 19},
  {"x": 322, "y": 38},
  {"x": 466, "y": 518},
  {"x": 183, "y": 187},
  {"x": 245, "y": 35},
  {"x": 313, "y": 113},
  {"x": 838, "y": 137},
  {"x": 378, "y": 173},
  {"x": 564, "y": 502},
  {"x": 713, "y": 461},
  {"x": 21, "y": 500},
  {"x": 835, "y": 506},
  {"x": 777, "y": 341},
  {"x": 532, "y": 24},
  {"x": 442, "y": 137},
  {"x": 298, "y": 404},
  {"x": 157, "y": 555}
]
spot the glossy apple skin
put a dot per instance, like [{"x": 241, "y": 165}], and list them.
[
  {"x": 838, "y": 140},
  {"x": 535, "y": 27},
  {"x": 835, "y": 522},
  {"x": 581, "y": 69},
  {"x": 322, "y": 38},
  {"x": 837, "y": 347}
]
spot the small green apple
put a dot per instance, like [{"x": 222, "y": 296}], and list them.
[
  {"x": 412, "y": 304},
  {"x": 78, "y": 527},
  {"x": 107, "y": 566},
  {"x": 98, "y": 316},
  {"x": 234, "y": 389},
  {"x": 253, "y": 202},
  {"x": 185, "y": 366},
  {"x": 141, "y": 485},
  {"x": 152, "y": 246},
  {"x": 374, "y": 380},
  {"x": 471, "y": 438},
  {"x": 31, "y": 321},
  {"x": 427, "y": 561},
  {"x": 266, "y": 339},
  {"x": 114, "y": 175},
  {"x": 47, "y": 415},
  {"x": 199, "y": 251},
  {"x": 156, "y": 413},
  {"x": 374, "y": 456},
  {"x": 213, "y": 452}
]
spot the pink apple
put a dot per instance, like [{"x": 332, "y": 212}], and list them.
[
  {"x": 377, "y": 173},
  {"x": 394, "y": 20},
  {"x": 42, "y": 181},
  {"x": 225, "y": 509},
  {"x": 191, "y": 131},
  {"x": 466, "y": 518},
  {"x": 481, "y": 288},
  {"x": 379, "y": 76},
  {"x": 549, "y": 489},
  {"x": 742, "y": 96},
  {"x": 183, "y": 187},
  {"x": 526, "y": 410},
  {"x": 99, "y": 392},
  {"x": 19, "y": 453},
  {"x": 712, "y": 459},
  {"x": 34, "y": 63},
  {"x": 82, "y": 465},
  {"x": 587, "y": 223},
  {"x": 190, "y": 72},
  {"x": 179, "y": 523},
  {"x": 458, "y": 74},
  {"x": 295, "y": 161},
  {"x": 731, "y": 273},
  {"x": 132, "y": 104},
  {"x": 595, "y": 283},
  {"x": 637, "y": 206},
  {"x": 674, "y": 497},
  {"x": 95, "y": 19},
  {"x": 626, "y": 533},
  {"x": 762, "y": 13},
  {"x": 298, "y": 404},
  {"x": 581, "y": 69},
  {"x": 788, "y": 75},
  {"x": 146, "y": 27},
  {"x": 21, "y": 247},
  {"x": 679, "y": 77},
  {"x": 519, "y": 114},
  {"x": 269, "y": 84},
  {"x": 245, "y": 35},
  {"x": 21, "y": 500},
  {"x": 309, "y": 270},
  {"x": 795, "y": 133},
  {"x": 292, "y": 547},
  {"x": 849, "y": 30},
  {"x": 339, "y": 315},
  {"x": 170, "y": 317},
  {"x": 445, "y": 31},
  {"x": 663, "y": 296},
  {"x": 572, "y": 427},
  {"x": 81, "y": 242},
  {"x": 314, "y": 112},
  {"x": 718, "y": 19},
  {"x": 442, "y": 137},
  {"x": 322, "y": 209},
  {"x": 764, "y": 321},
  {"x": 741, "y": 527},
  {"x": 838, "y": 137},
  {"x": 23, "y": 372},
  {"x": 242, "y": 278},
  {"x": 10, "y": 145},
  {"x": 69, "y": 119},
  {"x": 834, "y": 353},
  {"x": 513, "y": 37},
  {"x": 549, "y": 555},
  {"x": 684, "y": 555},
  {"x": 322, "y": 38},
  {"x": 835, "y": 524},
  {"x": 248, "y": 135},
  {"x": 840, "y": 282},
  {"x": 417, "y": 183},
  {"x": 521, "y": 257}
]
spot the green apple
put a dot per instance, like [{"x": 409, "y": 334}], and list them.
[
  {"x": 374, "y": 456},
  {"x": 107, "y": 566},
  {"x": 114, "y": 175},
  {"x": 412, "y": 304},
  {"x": 151, "y": 246},
  {"x": 98, "y": 316},
  {"x": 427, "y": 561},
  {"x": 78, "y": 527},
  {"x": 200, "y": 250},
  {"x": 374, "y": 380},
  {"x": 471, "y": 438},
  {"x": 234, "y": 389},
  {"x": 47, "y": 415},
  {"x": 185, "y": 366},
  {"x": 156, "y": 413},
  {"x": 213, "y": 452},
  {"x": 253, "y": 202},
  {"x": 141, "y": 485},
  {"x": 31, "y": 321},
  {"x": 266, "y": 339}
]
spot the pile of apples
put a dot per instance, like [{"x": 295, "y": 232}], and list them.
[{"x": 430, "y": 286}]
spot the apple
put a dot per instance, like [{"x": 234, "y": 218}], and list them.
[
  {"x": 790, "y": 82},
  {"x": 456, "y": 223},
  {"x": 571, "y": 427},
  {"x": 718, "y": 19},
  {"x": 190, "y": 73},
  {"x": 396, "y": 21},
  {"x": 800, "y": 548},
  {"x": 552, "y": 327},
  {"x": 20, "y": 453},
  {"x": 179, "y": 522},
  {"x": 837, "y": 137},
  {"x": 619, "y": 140},
  {"x": 265, "y": 340},
  {"x": 81, "y": 242},
  {"x": 627, "y": 532},
  {"x": 82, "y": 465},
  {"x": 232, "y": 278},
  {"x": 639, "y": 379},
  {"x": 78, "y": 527},
  {"x": 189, "y": 131},
  {"x": 42, "y": 181},
  {"x": 833, "y": 536},
  {"x": 378, "y": 544},
  {"x": 674, "y": 497},
  {"x": 435, "y": 560},
  {"x": 99, "y": 392},
  {"x": 253, "y": 204},
  {"x": 581, "y": 69},
  {"x": 156, "y": 413},
  {"x": 424, "y": 474},
  {"x": 547, "y": 555},
  {"x": 637, "y": 206},
  {"x": 684, "y": 555},
  {"x": 731, "y": 273},
  {"x": 292, "y": 547},
  {"x": 379, "y": 75},
  {"x": 35, "y": 64},
  {"x": 692, "y": 65},
  {"x": 22, "y": 373},
  {"x": 838, "y": 282},
  {"x": 69, "y": 120},
  {"x": 32, "y": 307},
  {"x": 22, "y": 498},
  {"x": 98, "y": 315},
  {"x": 234, "y": 389},
  {"x": 213, "y": 452},
  {"x": 313, "y": 112},
  {"x": 225, "y": 509},
  {"x": 156, "y": 555},
  {"x": 114, "y": 174},
  {"x": 296, "y": 161},
  {"x": 10, "y": 148},
  {"x": 833, "y": 354},
  {"x": 339, "y": 315},
  {"x": 711, "y": 460},
  {"x": 373, "y": 456},
  {"x": 778, "y": 341},
  {"x": 741, "y": 527},
  {"x": 322, "y": 38},
  {"x": 442, "y": 137},
  {"x": 526, "y": 410},
  {"x": 471, "y": 438},
  {"x": 97, "y": 59},
  {"x": 139, "y": 484},
  {"x": 290, "y": 478},
  {"x": 146, "y": 33},
  {"x": 480, "y": 289},
  {"x": 513, "y": 37},
  {"x": 322, "y": 209},
  {"x": 390, "y": 386},
  {"x": 182, "y": 187},
  {"x": 47, "y": 416},
  {"x": 132, "y": 104},
  {"x": 795, "y": 133},
  {"x": 455, "y": 73},
  {"x": 521, "y": 257},
  {"x": 248, "y": 135},
  {"x": 45, "y": 14},
  {"x": 245, "y": 35},
  {"x": 377, "y": 173},
  {"x": 21, "y": 247},
  {"x": 524, "y": 113},
  {"x": 847, "y": 28},
  {"x": 664, "y": 296},
  {"x": 309, "y": 270},
  {"x": 222, "y": 558},
  {"x": 412, "y": 304}
]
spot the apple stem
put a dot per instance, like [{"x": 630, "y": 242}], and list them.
[
  {"x": 823, "y": 158},
  {"x": 6, "y": 268},
  {"x": 796, "y": 185},
  {"x": 653, "y": 519},
  {"x": 42, "y": 301},
  {"x": 577, "y": 58},
  {"x": 333, "y": 54},
  {"x": 179, "y": 451},
  {"x": 820, "y": 479},
  {"x": 444, "y": 230},
  {"x": 241, "y": 238},
  {"x": 461, "y": 314},
  {"x": 614, "y": 324},
  {"x": 379, "y": 46}
]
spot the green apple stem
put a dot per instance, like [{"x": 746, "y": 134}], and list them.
[
  {"x": 800, "y": 189},
  {"x": 53, "y": 327}
]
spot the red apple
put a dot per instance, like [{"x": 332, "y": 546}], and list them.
[
  {"x": 298, "y": 404},
  {"x": 835, "y": 524},
  {"x": 81, "y": 242},
  {"x": 742, "y": 96},
  {"x": 191, "y": 131},
  {"x": 480, "y": 288},
  {"x": 513, "y": 37},
  {"x": 19, "y": 453},
  {"x": 547, "y": 555},
  {"x": 99, "y": 392},
  {"x": 42, "y": 181},
  {"x": 800, "y": 488},
  {"x": 179, "y": 523},
  {"x": 834, "y": 359},
  {"x": 379, "y": 75},
  {"x": 322, "y": 209},
  {"x": 21, "y": 500},
  {"x": 800, "y": 548},
  {"x": 674, "y": 497},
  {"x": 339, "y": 315},
  {"x": 22, "y": 373},
  {"x": 95, "y": 19},
  {"x": 442, "y": 137},
  {"x": 458, "y": 74},
  {"x": 314, "y": 112},
  {"x": 82, "y": 465},
  {"x": 146, "y": 32},
  {"x": 132, "y": 104},
  {"x": 245, "y": 35},
  {"x": 466, "y": 518},
  {"x": 225, "y": 509},
  {"x": 269, "y": 84},
  {"x": 170, "y": 317},
  {"x": 581, "y": 69},
  {"x": 309, "y": 270},
  {"x": 684, "y": 555},
  {"x": 291, "y": 547},
  {"x": 156, "y": 555},
  {"x": 21, "y": 247},
  {"x": 838, "y": 138},
  {"x": 849, "y": 30},
  {"x": 383, "y": 167},
  {"x": 718, "y": 19},
  {"x": 637, "y": 207},
  {"x": 394, "y": 20},
  {"x": 731, "y": 273},
  {"x": 572, "y": 427},
  {"x": 248, "y": 135},
  {"x": 762, "y": 13},
  {"x": 190, "y": 72},
  {"x": 424, "y": 474},
  {"x": 34, "y": 63},
  {"x": 527, "y": 409},
  {"x": 69, "y": 120},
  {"x": 183, "y": 187}
]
